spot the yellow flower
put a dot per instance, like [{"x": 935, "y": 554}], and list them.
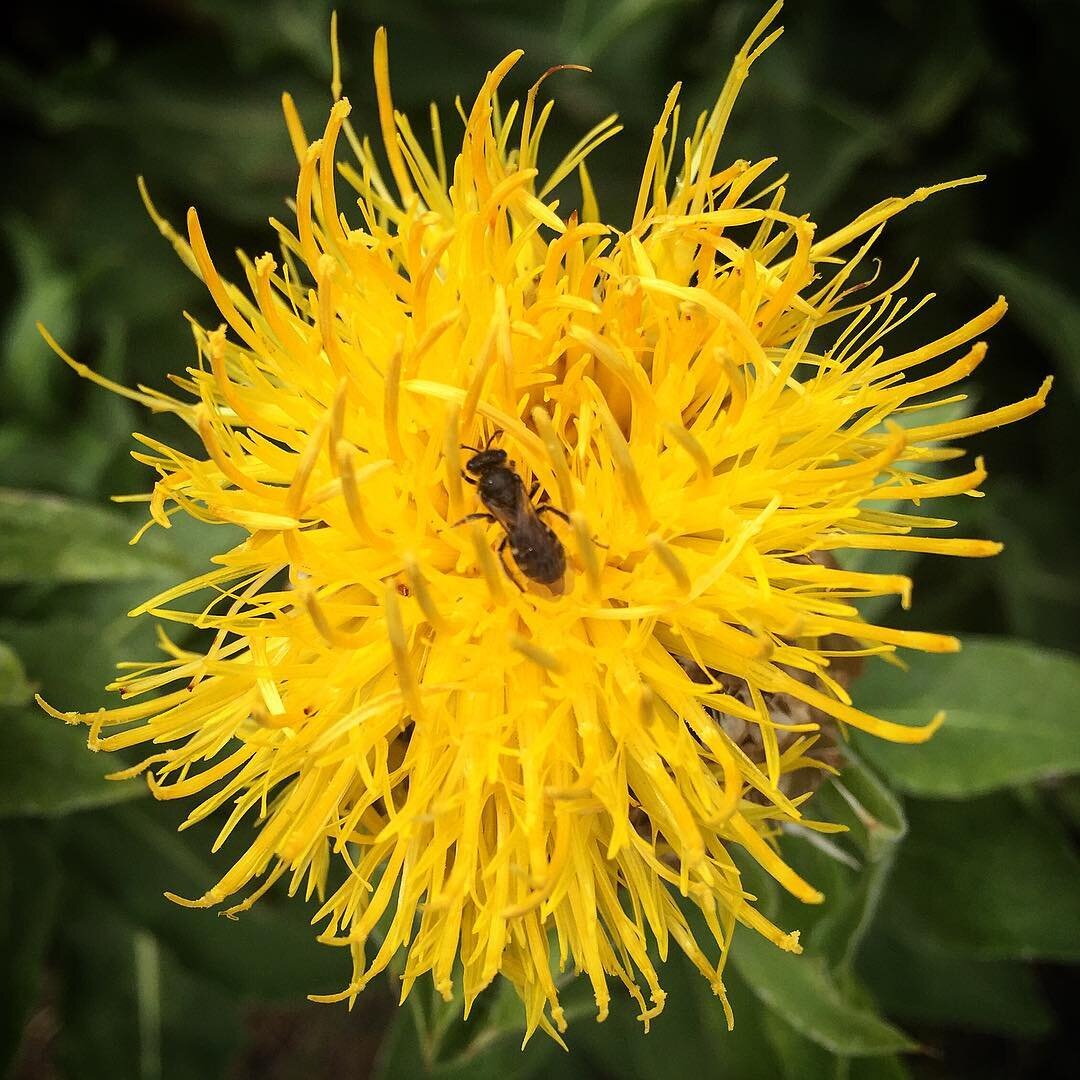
[{"x": 460, "y": 761}]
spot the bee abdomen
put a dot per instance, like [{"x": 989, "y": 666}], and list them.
[{"x": 543, "y": 565}]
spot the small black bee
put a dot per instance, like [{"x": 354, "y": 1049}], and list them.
[{"x": 536, "y": 549}]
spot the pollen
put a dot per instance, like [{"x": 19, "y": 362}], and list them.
[{"x": 461, "y": 765}]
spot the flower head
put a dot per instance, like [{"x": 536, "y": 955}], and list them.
[{"x": 458, "y": 759}]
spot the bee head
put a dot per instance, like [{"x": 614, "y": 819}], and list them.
[{"x": 486, "y": 460}]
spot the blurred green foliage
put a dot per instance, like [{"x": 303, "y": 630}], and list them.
[{"x": 953, "y": 905}]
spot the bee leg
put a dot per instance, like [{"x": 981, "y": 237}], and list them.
[
  {"x": 547, "y": 508},
  {"x": 472, "y": 517},
  {"x": 466, "y": 477},
  {"x": 505, "y": 565},
  {"x": 534, "y": 489}
]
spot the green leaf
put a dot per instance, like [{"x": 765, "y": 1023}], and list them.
[
  {"x": 132, "y": 1009},
  {"x": 1035, "y": 575},
  {"x": 869, "y": 810},
  {"x": 689, "y": 1038},
  {"x": 802, "y": 1059},
  {"x": 29, "y": 881},
  {"x": 14, "y": 688},
  {"x": 70, "y": 655},
  {"x": 879, "y": 1068},
  {"x": 28, "y": 371},
  {"x": 47, "y": 771},
  {"x": 1066, "y": 799},
  {"x": 990, "y": 878},
  {"x": 431, "y": 1038},
  {"x": 1049, "y": 314},
  {"x": 48, "y": 539},
  {"x": 491, "y": 1050},
  {"x": 268, "y": 952},
  {"x": 801, "y": 991},
  {"x": 847, "y": 916},
  {"x": 617, "y": 21},
  {"x": 71, "y": 458},
  {"x": 71, "y": 638},
  {"x": 946, "y": 78},
  {"x": 258, "y": 31},
  {"x": 850, "y": 868},
  {"x": 921, "y": 985},
  {"x": 1012, "y": 715}
]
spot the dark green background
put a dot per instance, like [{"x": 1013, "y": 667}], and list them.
[{"x": 954, "y": 915}]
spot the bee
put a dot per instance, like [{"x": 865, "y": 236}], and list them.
[{"x": 536, "y": 549}]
